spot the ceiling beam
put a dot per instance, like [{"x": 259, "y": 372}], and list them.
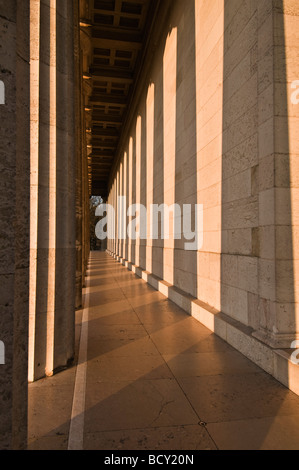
[
  {"x": 117, "y": 35},
  {"x": 108, "y": 99},
  {"x": 113, "y": 74},
  {"x": 102, "y": 153},
  {"x": 105, "y": 133},
  {"x": 105, "y": 118},
  {"x": 102, "y": 43}
]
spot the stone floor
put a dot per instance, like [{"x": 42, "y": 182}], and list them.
[{"x": 156, "y": 379}]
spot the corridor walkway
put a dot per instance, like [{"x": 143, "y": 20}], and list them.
[{"x": 155, "y": 379}]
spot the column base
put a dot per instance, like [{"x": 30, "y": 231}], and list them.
[{"x": 276, "y": 341}]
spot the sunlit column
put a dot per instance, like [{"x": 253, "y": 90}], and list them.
[
  {"x": 116, "y": 214},
  {"x": 130, "y": 195},
  {"x": 52, "y": 195},
  {"x": 109, "y": 239},
  {"x": 138, "y": 184},
  {"x": 34, "y": 180},
  {"x": 113, "y": 221},
  {"x": 169, "y": 116},
  {"x": 53, "y": 224},
  {"x": 150, "y": 116},
  {"x": 209, "y": 136},
  {"x": 42, "y": 192},
  {"x": 120, "y": 212},
  {"x": 124, "y": 208},
  {"x": 278, "y": 128},
  {"x": 111, "y": 203}
]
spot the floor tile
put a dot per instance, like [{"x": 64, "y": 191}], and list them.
[
  {"x": 121, "y": 348},
  {"x": 137, "y": 405},
  {"x": 235, "y": 397},
  {"x": 49, "y": 443},
  {"x": 154, "y": 373},
  {"x": 127, "y": 368},
  {"x": 104, "y": 318},
  {"x": 167, "y": 439},
  {"x": 117, "y": 330},
  {"x": 50, "y": 411},
  {"x": 213, "y": 363},
  {"x": 275, "y": 433}
]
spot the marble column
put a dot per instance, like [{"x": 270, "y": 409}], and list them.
[
  {"x": 138, "y": 183},
  {"x": 150, "y": 118},
  {"x": 79, "y": 188},
  {"x": 86, "y": 90},
  {"x": 14, "y": 211},
  {"x": 278, "y": 317},
  {"x": 53, "y": 163}
]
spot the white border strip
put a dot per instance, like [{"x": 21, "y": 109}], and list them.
[{"x": 76, "y": 435}]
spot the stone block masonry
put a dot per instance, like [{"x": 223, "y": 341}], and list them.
[{"x": 215, "y": 124}]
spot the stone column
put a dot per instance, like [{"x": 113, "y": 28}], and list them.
[
  {"x": 86, "y": 90},
  {"x": 110, "y": 202},
  {"x": 130, "y": 194},
  {"x": 110, "y": 240},
  {"x": 116, "y": 214},
  {"x": 120, "y": 214},
  {"x": 53, "y": 162},
  {"x": 114, "y": 220},
  {"x": 39, "y": 191},
  {"x": 14, "y": 211},
  {"x": 65, "y": 223},
  {"x": 85, "y": 194},
  {"x": 79, "y": 189},
  {"x": 138, "y": 182},
  {"x": 104, "y": 244},
  {"x": 169, "y": 142},
  {"x": 278, "y": 323},
  {"x": 150, "y": 117},
  {"x": 34, "y": 161},
  {"x": 126, "y": 195}
]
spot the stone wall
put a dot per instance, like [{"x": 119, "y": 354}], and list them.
[{"x": 213, "y": 124}]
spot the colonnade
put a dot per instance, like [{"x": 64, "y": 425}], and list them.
[
  {"x": 45, "y": 210},
  {"x": 214, "y": 125}
]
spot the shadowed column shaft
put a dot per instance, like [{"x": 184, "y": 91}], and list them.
[{"x": 14, "y": 214}]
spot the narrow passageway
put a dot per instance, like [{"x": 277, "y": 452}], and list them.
[{"x": 155, "y": 379}]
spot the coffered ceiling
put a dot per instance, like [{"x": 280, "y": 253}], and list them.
[{"x": 118, "y": 31}]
